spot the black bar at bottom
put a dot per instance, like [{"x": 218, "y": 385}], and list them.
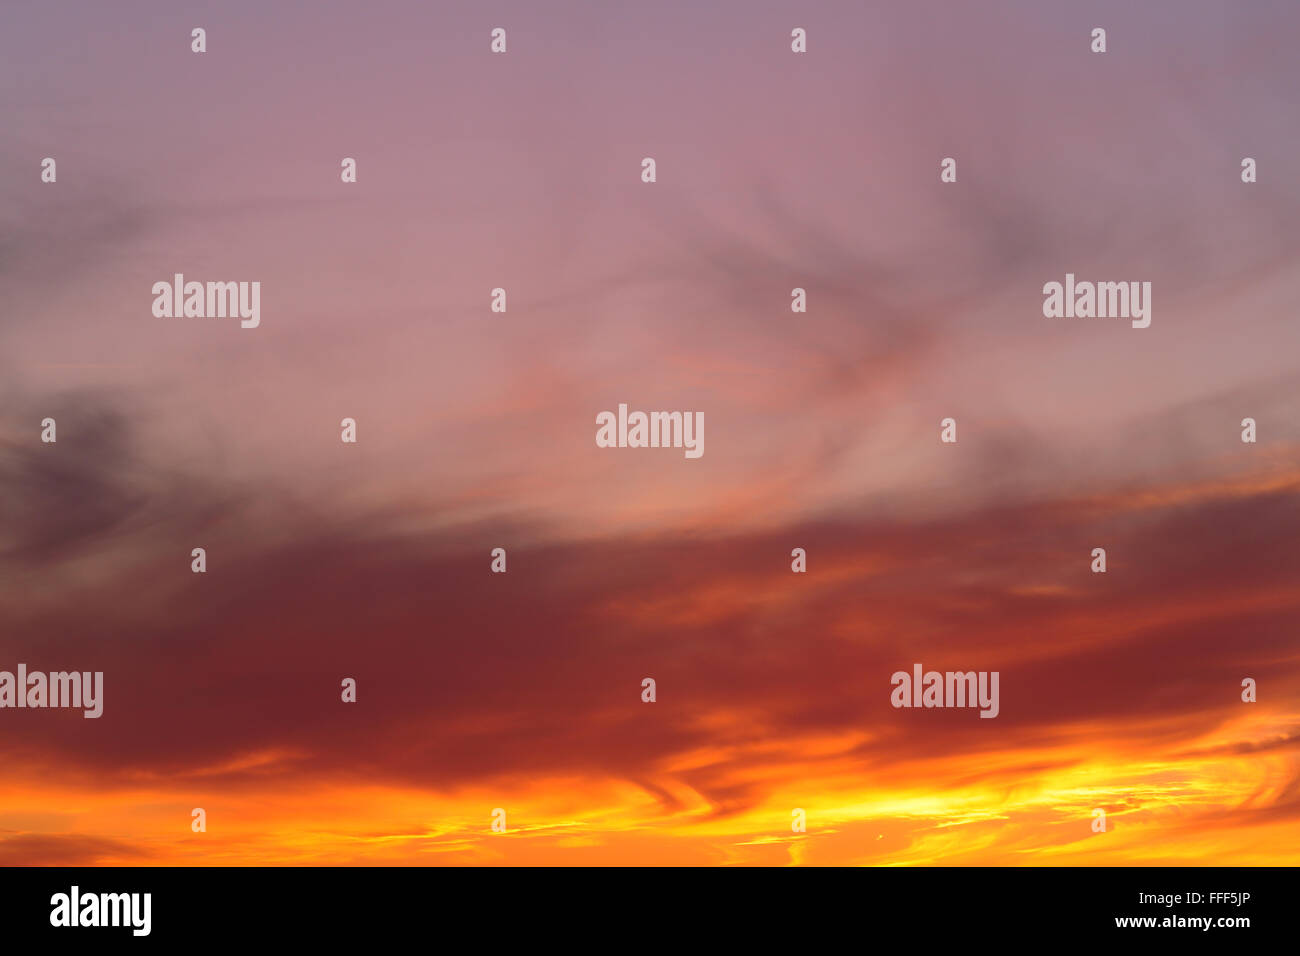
[{"x": 630, "y": 907}]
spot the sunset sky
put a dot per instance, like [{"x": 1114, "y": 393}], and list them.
[{"x": 1119, "y": 691}]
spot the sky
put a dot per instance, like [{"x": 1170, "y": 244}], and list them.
[{"x": 522, "y": 691}]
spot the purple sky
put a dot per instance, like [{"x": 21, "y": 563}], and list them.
[{"x": 523, "y": 171}]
